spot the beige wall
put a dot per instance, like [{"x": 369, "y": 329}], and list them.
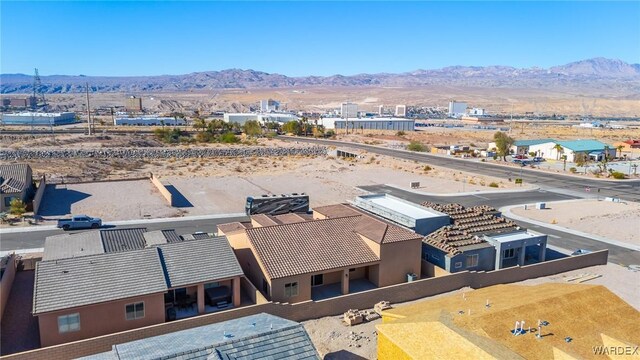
[
  {"x": 7, "y": 282},
  {"x": 304, "y": 289},
  {"x": 251, "y": 267},
  {"x": 330, "y": 307},
  {"x": 162, "y": 189},
  {"x": 37, "y": 199},
  {"x": 399, "y": 259},
  {"x": 102, "y": 319}
]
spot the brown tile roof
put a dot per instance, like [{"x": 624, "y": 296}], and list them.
[
  {"x": 231, "y": 227},
  {"x": 290, "y": 218},
  {"x": 263, "y": 220},
  {"x": 310, "y": 246},
  {"x": 338, "y": 210}
]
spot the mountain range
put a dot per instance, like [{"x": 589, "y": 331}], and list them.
[{"x": 596, "y": 73}]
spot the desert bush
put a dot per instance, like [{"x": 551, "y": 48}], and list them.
[
  {"x": 493, "y": 184},
  {"x": 401, "y": 133},
  {"x": 229, "y": 138},
  {"x": 573, "y": 170},
  {"x": 618, "y": 175},
  {"x": 427, "y": 168},
  {"x": 416, "y": 146}
]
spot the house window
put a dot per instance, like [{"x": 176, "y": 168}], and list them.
[
  {"x": 68, "y": 323},
  {"x": 509, "y": 253},
  {"x": 291, "y": 289},
  {"x": 135, "y": 311},
  {"x": 472, "y": 260},
  {"x": 352, "y": 269},
  {"x": 211, "y": 285},
  {"x": 458, "y": 265}
]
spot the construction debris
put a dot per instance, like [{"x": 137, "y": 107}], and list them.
[
  {"x": 353, "y": 317},
  {"x": 381, "y": 306}
]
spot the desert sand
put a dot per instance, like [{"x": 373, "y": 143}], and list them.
[{"x": 617, "y": 221}]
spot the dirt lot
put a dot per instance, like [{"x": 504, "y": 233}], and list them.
[
  {"x": 336, "y": 341},
  {"x": 617, "y": 221}
]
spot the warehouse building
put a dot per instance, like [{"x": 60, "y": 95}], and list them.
[
  {"x": 394, "y": 124},
  {"x": 242, "y": 118},
  {"x": 148, "y": 121},
  {"x": 39, "y": 118}
]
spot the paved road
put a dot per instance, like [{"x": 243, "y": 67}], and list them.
[
  {"x": 561, "y": 239},
  {"x": 35, "y": 239},
  {"x": 497, "y": 200},
  {"x": 627, "y": 190}
]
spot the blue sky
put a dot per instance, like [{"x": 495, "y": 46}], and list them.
[{"x": 308, "y": 38}]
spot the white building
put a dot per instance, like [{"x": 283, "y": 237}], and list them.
[
  {"x": 401, "y": 110},
  {"x": 242, "y": 118},
  {"x": 477, "y": 112},
  {"x": 457, "y": 109},
  {"x": 269, "y": 105},
  {"x": 39, "y": 118},
  {"x": 381, "y": 110},
  {"x": 348, "y": 110}
]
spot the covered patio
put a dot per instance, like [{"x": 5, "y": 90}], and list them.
[
  {"x": 333, "y": 290},
  {"x": 202, "y": 298}
]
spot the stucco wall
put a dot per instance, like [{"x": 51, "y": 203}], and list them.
[
  {"x": 101, "y": 319},
  {"x": 399, "y": 259},
  {"x": 162, "y": 189},
  {"x": 330, "y": 307},
  {"x": 37, "y": 199},
  {"x": 7, "y": 282}
]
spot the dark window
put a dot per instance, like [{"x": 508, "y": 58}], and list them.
[
  {"x": 135, "y": 311},
  {"x": 317, "y": 280}
]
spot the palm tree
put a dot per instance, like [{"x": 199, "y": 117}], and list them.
[
  {"x": 559, "y": 149},
  {"x": 620, "y": 148}
]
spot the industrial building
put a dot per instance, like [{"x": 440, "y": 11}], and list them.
[
  {"x": 133, "y": 104},
  {"x": 348, "y": 110},
  {"x": 394, "y": 124},
  {"x": 269, "y": 106},
  {"x": 457, "y": 109},
  {"x": 242, "y": 118},
  {"x": 418, "y": 218},
  {"x": 401, "y": 110},
  {"x": 23, "y": 103},
  {"x": 148, "y": 121},
  {"x": 39, "y": 118}
]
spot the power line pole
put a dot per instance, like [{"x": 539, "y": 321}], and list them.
[{"x": 88, "y": 109}]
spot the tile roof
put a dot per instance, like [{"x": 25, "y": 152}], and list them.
[
  {"x": 291, "y": 218},
  {"x": 157, "y": 237},
  {"x": 263, "y": 220},
  {"x": 197, "y": 261},
  {"x": 72, "y": 245},
  {"x": 311, "y": 246},
  {"x": 260, "y": 336},
  {"x": 67, "y": 283},
  {"x": 123, "y": 239},
  {"x": 231, "y": 227},
  {"x": 14, "y": 178},
  {"x": 337, "y": 210}
]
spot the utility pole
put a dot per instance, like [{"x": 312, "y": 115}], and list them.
[{"x": 88, "y": 109}]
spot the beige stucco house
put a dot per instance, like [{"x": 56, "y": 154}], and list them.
[
  {"x": 15, "y": 183},
  {"x": 293, "y": 258},
  {"x": 99, "y": 282}
]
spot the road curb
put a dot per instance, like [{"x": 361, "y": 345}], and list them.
[{"x": 506, "y": 211}]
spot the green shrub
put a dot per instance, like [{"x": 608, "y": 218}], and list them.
[
  {"x": 427, "y": 168},
  {"x": 401, "y": 133},
  {"x": 493, "y": 185},
  {"x": 416, "y": 146},
  {"x": 573, "y": 170},
  {"x": 618, "y": 175},
  {"x": 229, "y": 138}
]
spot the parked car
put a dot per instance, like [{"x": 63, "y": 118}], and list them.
[
  {"x": 520, "y": 156},
  {"x": 79, "y": 222},
  {"x": 538, "y": 159}
]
